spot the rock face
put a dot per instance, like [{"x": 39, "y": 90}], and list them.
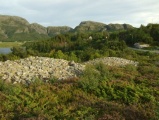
[
  {"x": 38, "y": 28},
  {"x": 26, "y": 70},
  {"x": 90, "y": 26},
  {"x": 112, "y": 27},
  {"x": 58, "y": 30}
]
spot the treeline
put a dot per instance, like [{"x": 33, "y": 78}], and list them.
[
  {"x": 78, "y": 47},
  {"x": 90, "y": 45},
  {"x": 99, "y": 43},
  {"x": 145, "y": 34}
]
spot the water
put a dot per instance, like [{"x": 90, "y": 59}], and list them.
[{"x": 5, "y": 50}]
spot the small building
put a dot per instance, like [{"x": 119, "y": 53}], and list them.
[
  {"x": 140, "y": 45},
  {"x": 90, "y": 38}
]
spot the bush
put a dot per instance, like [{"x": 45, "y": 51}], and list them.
[
  {"x": 19, "y": 51},
  {"x": 89, "y": 80}
]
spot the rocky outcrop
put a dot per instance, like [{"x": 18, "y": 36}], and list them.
[
  {"x": 26, "y": 70},
  {"x": 113, "y": 27},
  {"x": 91, "y": 26},
  {"x": 13, "y": 28},
  {"x": 86, "y": 26},
  {"x": 13, "y": 20},
  {"x": 11, "y": 25},
  {"x": 52, "y": 31},
  {"x": 38, "y": 28}
]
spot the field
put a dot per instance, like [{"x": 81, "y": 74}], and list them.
[{"x": 10, "y": 44}]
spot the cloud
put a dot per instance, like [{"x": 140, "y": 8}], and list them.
[{"x": 71, "y": 12}]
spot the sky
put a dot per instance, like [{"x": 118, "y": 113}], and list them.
[{"x": 72, "y": 12}]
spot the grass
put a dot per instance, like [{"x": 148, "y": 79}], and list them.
[
  {"x": 100, "y": 93},
  {"x": 10, "y": 44}
]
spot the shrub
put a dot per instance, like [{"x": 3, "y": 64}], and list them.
[{"x": 89, "y": 80}]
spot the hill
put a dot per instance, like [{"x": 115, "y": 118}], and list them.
[
  {"x": 14, "y": 28},
  {"x": 91, "y": 26}
]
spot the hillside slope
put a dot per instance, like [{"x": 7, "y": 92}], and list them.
[
  {"x": 91, "y": 26},
  {"x": 14, "y": 28}
]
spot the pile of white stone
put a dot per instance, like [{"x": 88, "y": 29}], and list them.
[
  {"x": 26, "y": 70},
  {"x": 112, "y": 61}
]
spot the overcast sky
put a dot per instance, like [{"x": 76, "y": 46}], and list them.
[{"x": 72, "y": 12}]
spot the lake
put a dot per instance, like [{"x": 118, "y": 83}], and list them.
[{"x": 5, "y": 50}]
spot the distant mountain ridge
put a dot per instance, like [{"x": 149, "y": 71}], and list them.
[
  {"x": 14, "y": 28},
  {"x": 98, "y": 27}
]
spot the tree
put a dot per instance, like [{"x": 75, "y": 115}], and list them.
[
  {"x": 19, "y": 51},
  {"x": 59, "y": 54}
]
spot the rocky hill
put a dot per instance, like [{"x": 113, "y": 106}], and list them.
[
  {"x": 57, "y": 30},
  {"x": 86, "y": 26},
  {"x": 114, "y": 27},
  {"x": 13, "y": 28},
  {"x": 91, "y": 26}
]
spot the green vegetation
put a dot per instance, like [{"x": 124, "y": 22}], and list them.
[
  {"x": 101, "y": 92},
  {"x": 145, "y": 34},
  {"x": 78, "y": 47},
  {"x": 13, "y": 28},
  {"x": 10, "y": 44}
]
